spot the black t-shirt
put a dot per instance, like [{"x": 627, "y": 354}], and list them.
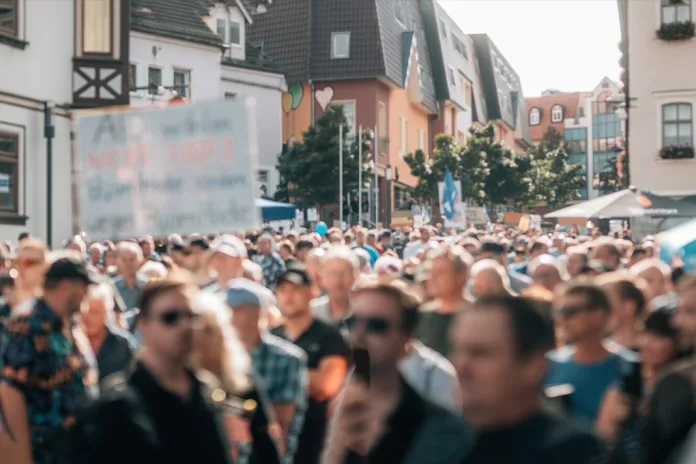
[
  {"x": 402, "y": 427},
  {"x": 541, "y": 439},
  {"x": 319, "y": 341},
  {"x": 434, "y": 329}
]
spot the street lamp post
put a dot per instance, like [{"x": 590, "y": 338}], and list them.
[
  {"x": 49, "y": 134},
  {"x": 388, "y": 174}
]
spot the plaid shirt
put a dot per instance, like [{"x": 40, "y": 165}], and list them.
[
  {"x": 282, "y": 367},
  {"x": 272, "y": 265}
]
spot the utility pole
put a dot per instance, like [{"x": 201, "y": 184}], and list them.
[
  {"x": 360, "y": 183},
  {"x": 340, "y": 175},
  {"x": 376, "y": 155}
]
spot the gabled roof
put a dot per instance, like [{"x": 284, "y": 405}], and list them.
[{"x": 176, "y": 19}]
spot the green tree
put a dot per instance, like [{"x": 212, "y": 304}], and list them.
[
  {"x": 556, "y": 181},
  {"x": 431, "y": 169},
  {"x": 310, "y": 170}
]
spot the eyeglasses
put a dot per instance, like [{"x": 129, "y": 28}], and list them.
[
  {"x": 372, "y": 325},
  {"x": 569, "y": 312},
  {"x": 173, "y": 317}
]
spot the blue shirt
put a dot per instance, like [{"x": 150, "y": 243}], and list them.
[
  {"x": 590, "y": 381},
  {"x": 56, "y": 374},
  {"x": 374, "y": 254},
  {"x": 130, "y": 295}
]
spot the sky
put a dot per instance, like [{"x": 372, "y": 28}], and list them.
[{"x": 569, "y": 45}]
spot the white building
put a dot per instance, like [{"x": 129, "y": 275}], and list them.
[{"x": 658, "y": 49}]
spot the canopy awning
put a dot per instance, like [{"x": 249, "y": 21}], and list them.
[{"x": 275, "y": 211}]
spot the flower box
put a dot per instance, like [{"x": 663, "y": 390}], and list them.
[
  {"x": 673, "y": 32},
  {"x": 672, "y": 152}
]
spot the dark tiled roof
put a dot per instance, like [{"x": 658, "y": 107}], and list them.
[
  {"x": 432, "y": 35},
  {"x": 285, "y": 33},
  {"x": 177, "y": 19}
]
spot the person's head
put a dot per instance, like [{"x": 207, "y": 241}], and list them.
[
  {"x": 449, "y": 272},
  {"x": 228, "y": 253},
  {"x": 626, "y": 296},
  {"x": 538, "y": 247},
  {"x": 166, "y": 318},
  {"x": 216, "y": 346},
  {"x": 153, "y": 270},
  {"x": 548, "y": 271},
  {"x": 493, "y": 250},
  {"x": 637, "y": 255},
  {"x": 341, "y": 268},
  {"x": 499, "y": 349},
  {"x": 247, "y": 301},
  {"x": 109, "y": 254},
  {"x": 265, "y": 244},
  {"x": 425, "y": 234},
  {"x": 383, "y": 319},
  {"x": 129, "y": 258},
  {"x": 657, "y": 275},
  {"x": 577, "y": 260},
  {"x": 302, "y": 249},
  {"x": 685, "y": 319},
  {"x": 293, "y": 291},
  {"x": 582, "y": 311},
  {"x": 286, "y": 250},
  {"x": 77, "y": 244},
  {"x": 99, "y": 309},
  {"x": 31, "y": 264},
  {"x": 488, "y": 279},
  {"x": 176, "y": 248},
  {"x": 608, "y": 254},
  {"x": 8, "y": 290},
  {"x": 147, "y": 244},
  {"x": 66, "y": 282},
  {"x": 196, "y": 254},
  {"x": 23, "y": 236},
  {"x": 385, "y": 238},
  {"x": 95, "y": 252},
  {"x": 659, "y": 341},
  {"x": 371, "y": 238},
  {"x": 388, "y": 268}
]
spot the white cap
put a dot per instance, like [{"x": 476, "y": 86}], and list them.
[{"x": 230, "y": 246}]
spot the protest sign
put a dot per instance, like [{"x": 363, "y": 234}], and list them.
[
  {"x": 459, "y": 221},
  {"x": 181, "y": 170}
]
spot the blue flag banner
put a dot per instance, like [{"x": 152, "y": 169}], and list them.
[{"x": 449, "y": 196}]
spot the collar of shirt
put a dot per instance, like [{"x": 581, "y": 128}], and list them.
[{"x": 46, "y": 314}]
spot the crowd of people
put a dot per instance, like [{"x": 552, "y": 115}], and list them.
[{"x": 366, "y": 346}]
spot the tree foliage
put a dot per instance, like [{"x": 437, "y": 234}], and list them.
[
  {"x": 557, "y": 182},
  {"x": 309, "y": 170}
]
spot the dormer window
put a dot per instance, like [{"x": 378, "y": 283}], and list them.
[
  {"x": 534, "y": 117},
  {"x": 340, "y": 45},
  {"x": 557, "y": 113},
  {"x": 96, "y": 27},
  {"x": 229, "y": 30}
]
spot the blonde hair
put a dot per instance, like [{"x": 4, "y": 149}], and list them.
[{"x": 236, "y": 363}]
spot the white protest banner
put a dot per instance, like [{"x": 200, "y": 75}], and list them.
[{"x": 181, "y": 170}]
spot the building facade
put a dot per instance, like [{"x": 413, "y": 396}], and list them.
[
  {"x": 661, "y": 93},
  {"x": 369, "y": 56},
  {"x": 505, "y": 106},
  {"x": 592, "y": 127}
]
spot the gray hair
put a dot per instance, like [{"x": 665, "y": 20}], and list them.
[
  {"x": 102, "y": 292},
  {"x": 345, "y": 254},
  {"x": 129, "y": 247}
]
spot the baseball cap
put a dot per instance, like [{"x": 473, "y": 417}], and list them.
[
  {"x": 296, "y": 277},
  {"x": 71, "y": 268},
  {"x": 197, "y": 240},
  {"x": 230, "y": 246},
  {"x": 246, "y": 293}
]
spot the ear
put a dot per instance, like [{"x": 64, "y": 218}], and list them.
[{"x": 535, "y": 369}]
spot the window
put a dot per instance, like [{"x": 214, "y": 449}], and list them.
[
  {"x": 235, "y": 33},
  {"x": 414, "y": 23},
  {"x": 477, "y": 66},
  {"x": 421, "y": 139},
  {"x": 443, "y": 29},
  {"x": 133, "y": 78},
  {"x": 676, "y": 11},
  {"x": 534, "y": 117},
  {"x": 9, "y": 173},
  {"x": 9, "y": 17},
  {"x": 182, "y": 82},
  {"x": 349, "y": 112},
  {"x": 154, "y": 79},
  {"x": 404, "y": 137},
  {"x": 399, "y": 13},
  {"x": 96, "y": 26},
  {"x": 262, "y": 176},
  {"x": 557, "y": 113},
  {"x": 460, "y": 47},
  {"x": 381, "y": 120},
  {"x": 340, "y": 45},
  {"x": 677, "y": 123},
  {"x": 466, "y": 86},
  {"x": 221, "y": 28},
  {"x": 450, "y": 75}
]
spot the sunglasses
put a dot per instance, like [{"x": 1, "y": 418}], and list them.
[
  {"x": 569, "y": 312},
  {"x": 174, "y": 317},
  {"x": 371, "y": 325}
]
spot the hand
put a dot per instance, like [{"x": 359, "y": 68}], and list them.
[
  {"x": 359, "y": 427},
  {"x": 615, "y": 410}
]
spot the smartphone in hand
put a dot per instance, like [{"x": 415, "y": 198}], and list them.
[{"x": 631, "y": 380}]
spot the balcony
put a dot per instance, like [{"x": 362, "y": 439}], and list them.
[{"x": 100, "y": 82}]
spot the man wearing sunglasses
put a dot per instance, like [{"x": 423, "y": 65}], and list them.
[
  {"x": 590, "y": 364},
  {"x": 387, "y": 421}
]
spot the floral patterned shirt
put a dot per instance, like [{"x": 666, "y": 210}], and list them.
[{"x": 54, "y": 369}]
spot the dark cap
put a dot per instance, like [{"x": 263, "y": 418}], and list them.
[
  {"x": 199, "y": 241},
  {"x": 295, "y": 276},
  {"x": 70, "y": 268},
  {"x": 661, "y": 322}
]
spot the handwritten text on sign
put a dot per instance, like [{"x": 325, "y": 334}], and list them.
[{"x": 162, "y": 171}]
